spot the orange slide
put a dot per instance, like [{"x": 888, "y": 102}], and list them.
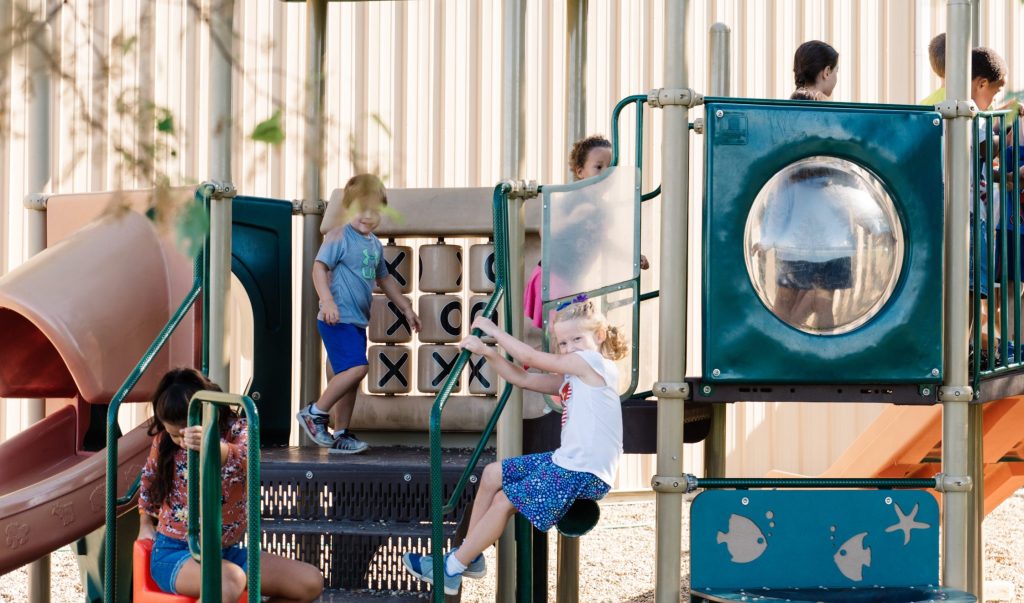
[
  {"x": 76, "y": 318},
  {"x": 906, "y": 441}
]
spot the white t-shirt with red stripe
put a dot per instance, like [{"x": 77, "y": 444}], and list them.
[{"x": 591, "y": 421}]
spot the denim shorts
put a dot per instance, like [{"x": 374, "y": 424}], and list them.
[
  {"x": 170, "y": 554},
  {"x": 345, "y": 345}
]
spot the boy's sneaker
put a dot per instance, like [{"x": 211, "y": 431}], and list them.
[
  {"x": 422, "y": 566},
  {"x": 476, "y": 568},
  {"x": 315, "y": 426},
  {"x": 347, "y": 443}
]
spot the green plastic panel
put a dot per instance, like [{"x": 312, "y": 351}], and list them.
[
  {"x": 261, "y": 244},
  {"x": 746, "y": 143}
]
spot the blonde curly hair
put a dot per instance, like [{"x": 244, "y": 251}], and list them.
[{"x": 615, "y": 344}]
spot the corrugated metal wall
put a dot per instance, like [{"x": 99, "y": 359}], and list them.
[{"x": 413, "y": 91}]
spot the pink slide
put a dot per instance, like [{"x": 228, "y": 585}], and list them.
[
  {"x": 906, "y": 441},
  {"x": 75, "y": 319}
]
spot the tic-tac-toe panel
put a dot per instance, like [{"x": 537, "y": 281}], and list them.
[
  {"x": 387, "y": 323},
  {"x": 440, "y": 268},
  {"x": 441, "y": 316},
  {"x": 435, "y": 363},
  {"x": 390, "y": 369},
  {"x": 398, "y": 260}
]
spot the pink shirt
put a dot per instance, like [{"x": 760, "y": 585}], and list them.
[{"x": 173, "y": 514}]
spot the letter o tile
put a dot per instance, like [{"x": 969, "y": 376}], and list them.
[
  {"x": 441, "y": 316},
  {"x": 481, "y": 268}
]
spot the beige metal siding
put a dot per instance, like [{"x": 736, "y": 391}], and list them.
[{"x": 430, "y": 71}]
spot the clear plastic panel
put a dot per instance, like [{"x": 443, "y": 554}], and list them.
[
  {"x": 824, "y": 245},
  {"x": 590, "y": 234}
]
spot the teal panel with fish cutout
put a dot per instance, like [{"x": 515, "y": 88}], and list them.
[{"x": 813, "y": 539}]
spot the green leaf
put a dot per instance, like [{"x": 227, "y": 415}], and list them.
[
  {"x": 269, "y": 131},
  {"x": 165, "y": 122},
  {"x": 191, "y": 229},
  {"x": 393, "y": 214}
]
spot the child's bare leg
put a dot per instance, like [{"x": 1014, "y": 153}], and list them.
[
  {"x": 190, "y": 580},
  {"x": 338, "y": 386},
  {"x": 487, "y": 530},
  {"x": 490, "y": 484},
  {"x": 289, "y": 581}
]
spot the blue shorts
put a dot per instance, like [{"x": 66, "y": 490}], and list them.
[
  {"x": 345, "y": 345},
  {"x": 542, "y": 491},
  {"x": 170, "y": 554},
  {"x": 983, "y": 261}
]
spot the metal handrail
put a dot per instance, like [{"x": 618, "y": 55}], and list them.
[
  {"x": 437, "y": 505},
  {"x": 1001, "y": 360},
  {"x": 207, "y": 494},
  {"x": 198, "y": 277}
]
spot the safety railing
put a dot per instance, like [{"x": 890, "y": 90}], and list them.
[
  {"x": 204, "y": 490},
  {"x": 438, "y": 507},
  {"x": 996, "y": 245},
  {"x": 199, "y": 275}
]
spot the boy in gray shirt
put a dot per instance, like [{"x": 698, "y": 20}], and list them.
[{"x": 347, "y": 265}]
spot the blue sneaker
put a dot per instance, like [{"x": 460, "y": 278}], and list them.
[
  {"x": 422, "y": 566},
  {"x": 477, "y": 568}
]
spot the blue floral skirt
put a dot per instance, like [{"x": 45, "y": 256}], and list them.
[{"x": 542, "y": 491}]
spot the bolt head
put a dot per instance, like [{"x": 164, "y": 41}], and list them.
[
  {"x": 473, "y": 479},
  {"x": 935, "y": 372},
  {"x": 309, "y": 475},
  {"x": 716, "y": 372},
  {"x": 719, "y": 113},
  {"x": 936, "y": 121},
  {"x": 745, "y": 501},
  {"x": 925, "y": 391},
  {"x": 407, "y": 477},
  {"x": 255, "y": 396},
  {"x": 707, "y": 389}
]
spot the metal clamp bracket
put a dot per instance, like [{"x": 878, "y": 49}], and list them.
[
  {"x": 953, "y": 483},
  {"x": 36, "y": 201},
  {"x": 314, "y": 209},
  {"x": 698, "y": 125},
  {"x": 221, "y": 190},
  {"x": 663, "y": 97},
  {"x": 523, "y": 189},
  {"x": 955, "y": 393},
  {"x": 671, "y": 389},
  {"x": 950, "y": 109},
  {"x": 668, "y": 484}
]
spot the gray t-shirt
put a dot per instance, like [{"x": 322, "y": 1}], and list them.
[{"x": 355, "y": 263}]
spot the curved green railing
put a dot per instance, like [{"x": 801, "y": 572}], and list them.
[
  {"x": 438, "y": 507},
  {"x": 199, "y": 273},
  {"x": 208, "y": 494}
]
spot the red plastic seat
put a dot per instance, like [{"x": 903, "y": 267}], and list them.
[{"x": 144, "y": 589}]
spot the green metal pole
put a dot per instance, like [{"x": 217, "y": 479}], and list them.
[
  {"x": 312, "y": 209},
  {"x": 672, "y": 306},
  {"x": 510, "y": 426},
  {"x": 955, "y": 394}
]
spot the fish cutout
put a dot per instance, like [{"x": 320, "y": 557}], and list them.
[
  {"x": 744, "y": 540},
  {"x": 852, "y": 557}
]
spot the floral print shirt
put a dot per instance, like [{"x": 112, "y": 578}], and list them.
[{"x": 172, "y": 516}]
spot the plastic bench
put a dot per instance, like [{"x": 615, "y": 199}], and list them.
[
  {"x": 816, "y": 545},
  {"x": 144, "y": 590}
]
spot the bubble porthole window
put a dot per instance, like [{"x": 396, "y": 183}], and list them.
[{"x": 823, "y": 245}]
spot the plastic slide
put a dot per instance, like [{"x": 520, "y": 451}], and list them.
[
  {"x": 75, "y": 320},
  {"x": 906, "y": 441}
]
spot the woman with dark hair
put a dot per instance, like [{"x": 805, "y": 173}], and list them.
[{"x": 814, "y": 69}]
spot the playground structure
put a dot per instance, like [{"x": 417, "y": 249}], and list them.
[{"x": 675, "y": 100}]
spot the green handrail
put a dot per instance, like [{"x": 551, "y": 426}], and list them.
[
  {"x": 207, "y": 494},
  {"x": 198, "y": 278},
  {"x": 1000, "y": 359},
  {"x": 814, "y": 482},
  {"x": 437, "y": 505}
]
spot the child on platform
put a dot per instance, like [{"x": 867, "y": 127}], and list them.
[
  {"x": 346, "y": 267},
  {"x": 164, "y": 497},
  {"x": 543, "y": 486}
]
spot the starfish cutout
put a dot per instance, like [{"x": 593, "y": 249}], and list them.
[{"x": 906, "y": 523}]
